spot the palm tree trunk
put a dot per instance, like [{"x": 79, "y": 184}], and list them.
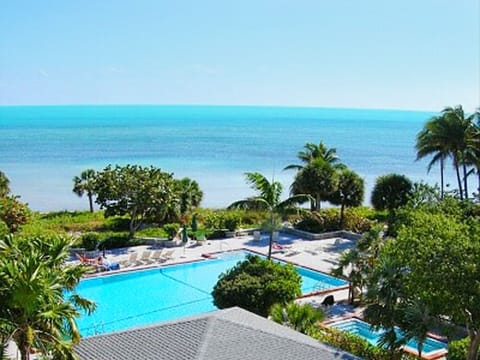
[
  {"x": 317, "y": 202},
  {"x": 442, "y": 170},
  {"x": 90, "y": 201},
  {"x": 270, "y": 243},
  {"x": 465, "y": 180},
  {"x": 459, "y": 181}
]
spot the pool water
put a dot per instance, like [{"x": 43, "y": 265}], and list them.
[
  {"x": 148, "y": 296},
  {"x": 363, "y": 329}
]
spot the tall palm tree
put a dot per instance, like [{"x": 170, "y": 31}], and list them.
[
  {"x": 36, "y": 309},
  {"x": 189, "y": 193},
  {"x": 312, "y": 152},
  {"x": 267, "y": 198},
  {"x": 416, "y": 323},
  {"x": 85, "y": 183},
  {"x": 430, "y": 142},
  {"x": 461, "y": 143},
  {"x": 350, "y": 191},
  {"x": 318, "y": 179}
]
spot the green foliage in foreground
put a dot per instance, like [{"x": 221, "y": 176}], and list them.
[
  {"x": 34, "y": 310},
  {"x": 300, "y": 317},
  {"x": 458, "y": 349},
  {"x": 256, "y": 284},
  {"x": 357, "y": 346}
]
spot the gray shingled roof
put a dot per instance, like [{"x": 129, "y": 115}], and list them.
[{"x": 230, "y": 334}]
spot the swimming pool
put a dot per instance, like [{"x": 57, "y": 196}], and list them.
[
  {"x": 146, "y": 296},
  {"x": 363, "y": 329}
]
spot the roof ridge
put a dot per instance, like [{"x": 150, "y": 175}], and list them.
[{"x": 206, "y": 337}]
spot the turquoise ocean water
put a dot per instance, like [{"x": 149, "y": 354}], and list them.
[{"x": 43, "y": 148}]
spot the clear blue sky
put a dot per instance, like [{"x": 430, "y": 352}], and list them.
[{"x": 409, "y": 54}]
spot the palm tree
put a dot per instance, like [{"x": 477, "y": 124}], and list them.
[
  {"x": 460, "y": 141},
  {"x": 385, "y": 290},
  {"x": 85, "y": 183},
  {"x": 300, "y": 317},
  {"x": 36, "y": 308},
  {"x": 349, "y": 192},
  {"x": 268, "y": 198},
  {"x": 430, "y": 142},
  {"x": 416, "y": 322},
  {"x": 189, "y": 193},
  {"x": 312, "y": 152},
  {"x": 318, "y": 179},
  {"x": 390, "y": 192}
]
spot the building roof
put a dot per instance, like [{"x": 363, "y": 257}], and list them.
[{"x": 230, "y": 334}]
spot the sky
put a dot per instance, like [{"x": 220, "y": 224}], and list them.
[{"x": 409, "y": 54}]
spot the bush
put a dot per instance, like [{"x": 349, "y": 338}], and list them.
[
  {"x": 89, "y": 241},
  {"x": 329, "y": 220},
  {"x": 458, "y": 349},
  {"x": 171, "y": 229},
  {"x": 153, "y": 232},
  {"x": 116, "y": 240},
  {"x": 232, "y": 221},
  {"x": 356, "y": 345},
  {"x": 255, "y": 284}
]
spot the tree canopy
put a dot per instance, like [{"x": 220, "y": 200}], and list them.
[
  {"x": 256, "y": 284},
  {"x": 433, "y": 267},
  {"x": 142, "y": 193}
]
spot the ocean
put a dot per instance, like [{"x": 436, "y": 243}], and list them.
[{"x": 43, "y": 147}]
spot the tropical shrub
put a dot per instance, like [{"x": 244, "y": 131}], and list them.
[
  {"x": 118, "y": 240},
  {"x": 171, "y": 229},
  {"x": 458, "y": 349},
  {"x": 356, "y": 345},
  {"x": 255, "y": 284},
  {"x": 300, "y": 317},
  {"x": 232, "y": 221},
  {"x": 38, "y": 307},
  {"x": 329, "y": 220},
  {"x": 90, "y": 241},
  {"x": 13, "y": 212}
]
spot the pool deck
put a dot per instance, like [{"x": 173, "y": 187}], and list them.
[{"x": 321, "y": 255}]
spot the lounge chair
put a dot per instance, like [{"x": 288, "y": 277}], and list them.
[
  {"x": 168, "y": 255},
  {"x": 157, "y": 256},
  {"x": 257, "y": 236},
  {"x": 145, "y": 258},
  {"x": 86, "y": 261},
  {"x": 131, "y": 261}
]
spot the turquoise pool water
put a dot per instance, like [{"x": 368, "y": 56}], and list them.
[
  {"x": 147, "y": 296},
  {"x": 362, "y": 329}
]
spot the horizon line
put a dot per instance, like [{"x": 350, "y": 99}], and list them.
[{"x": 221, "y": 105}]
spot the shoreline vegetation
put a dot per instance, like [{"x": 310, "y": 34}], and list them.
[{"x": 417, "y": 266}]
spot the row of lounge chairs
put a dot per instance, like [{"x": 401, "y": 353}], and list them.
[{"x": 148, "y": 258}]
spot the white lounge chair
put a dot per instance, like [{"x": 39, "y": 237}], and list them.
[
  {"x": 145, "y": 258},
  {"x": 257, "y": 236},
  {"x": 157, "y": 256},
  {"x": 131, "y": 261},
  {"x": 168, "y": 255}
]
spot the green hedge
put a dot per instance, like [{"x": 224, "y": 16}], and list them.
[
  {"x": 356, "y": 345},
  {"x": 329, "y": 220}
]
